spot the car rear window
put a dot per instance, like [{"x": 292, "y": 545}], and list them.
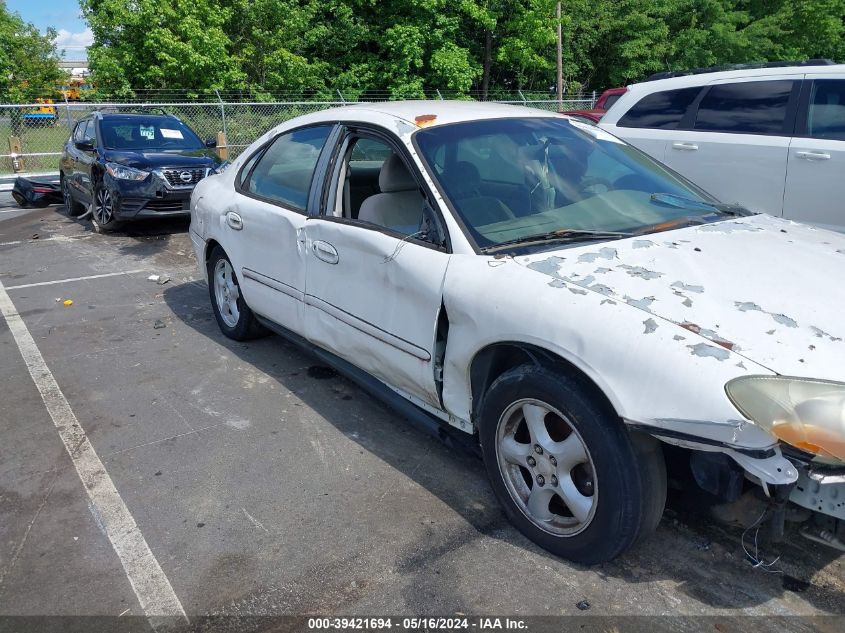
[
  {"x": 660, "y": 110},
  {"x": 753, "y": 107}
]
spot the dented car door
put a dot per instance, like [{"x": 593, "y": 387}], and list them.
[{"x": 374, "y": 294}]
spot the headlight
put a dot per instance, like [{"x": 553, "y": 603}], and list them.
[
  {"x": 122, "y": 172},
  {"x": 808, "y": 414}
]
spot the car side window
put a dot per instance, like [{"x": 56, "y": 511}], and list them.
[
  {"x": 79, "y": 131},
  {"x": 826, "y": 112},
  {"x": 660, "y": 110},
  {"x": 285, "y": 170},
  {"x": 376, "y": 186},
  {"x": 89, "y": 133},
  {"x": 753, "y": 107}
]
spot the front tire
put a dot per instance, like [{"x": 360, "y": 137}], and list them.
[
  {"x": 103, "y": 210},
  {"x": 569, "y": 475},
  {"x": 233, "y": 315}
]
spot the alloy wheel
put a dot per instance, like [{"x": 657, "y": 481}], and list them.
[
  {"x": 226, "y": 293},
  {"x": 103, "y": 207},
  {"x": 546, "y": 467}
]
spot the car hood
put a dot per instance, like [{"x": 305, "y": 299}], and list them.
[
  {"x": 171, "y": 158},
  {"x": 765, "y": 288}
]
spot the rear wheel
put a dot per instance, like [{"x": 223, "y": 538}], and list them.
[
  {"x": 569, "y": 475},
  {"x": 103, "y": 211},
  {"x": 72, "y": 207},
  {"x": 233, "y": 315}
]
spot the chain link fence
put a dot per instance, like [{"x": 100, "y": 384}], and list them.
[{"x": 32, "y": 135}]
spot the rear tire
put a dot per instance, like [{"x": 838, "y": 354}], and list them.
[
  {"x": 233, "y": 315},
  {"x": 568, "y": 473},
  {"x": 72, "y": 207}
]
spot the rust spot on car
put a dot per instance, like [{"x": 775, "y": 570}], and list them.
[
  {"x": 692, "y": 327},
  {"x": 424, "y": 120}
]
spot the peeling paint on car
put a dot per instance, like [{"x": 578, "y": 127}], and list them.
[
  {"x": 688, "y": 287},
  {"x": 642, "y": 244},
  {"x": 639, "y": 271},
  {"x": 705, "y": 350},
  {"x": 650, "y": 326},
  {"x": 604, "y": 253}
]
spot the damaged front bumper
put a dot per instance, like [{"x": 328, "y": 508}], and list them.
[{"x": 150, "y": 198}]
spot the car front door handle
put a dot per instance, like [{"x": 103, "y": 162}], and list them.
[
  {"x": 813, "y": 155},
  {"x": 325, "y": 251},
  {"x": 685, "y": 147},
  {"x": 234, "y": 220}
]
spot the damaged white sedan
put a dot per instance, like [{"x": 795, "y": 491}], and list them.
[{"x": 538, "y": 283}]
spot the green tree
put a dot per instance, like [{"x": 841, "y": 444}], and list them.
[
  {"x": 29, "y": 62},
  {"x": 160, "y": 44}
]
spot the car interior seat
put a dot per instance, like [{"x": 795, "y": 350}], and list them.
[
  {"x": 463, "y": 181},
  {"x": 399, "y": 205}
]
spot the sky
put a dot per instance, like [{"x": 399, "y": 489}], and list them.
[{"x": 62, "y": 15}]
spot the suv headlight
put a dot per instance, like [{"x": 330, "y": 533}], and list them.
[
  {"x": 122, "y": 172},
  {"x": 808, "y": 414}
]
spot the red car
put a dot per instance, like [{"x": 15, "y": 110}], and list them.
[{"x": 602, "y": 105}]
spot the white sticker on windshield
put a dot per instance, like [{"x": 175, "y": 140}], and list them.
[
  {"x": 148, "y": 132},
  {"x": 171, "y": 133}
]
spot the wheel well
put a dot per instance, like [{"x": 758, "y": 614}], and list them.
[
  {"x": 495, "y": 360},
  {"x": 209, "y": 247}
]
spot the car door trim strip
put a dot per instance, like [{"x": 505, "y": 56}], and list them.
[
  {"x": 368, "y": 328},
  {"x": 275, "y": 284}
]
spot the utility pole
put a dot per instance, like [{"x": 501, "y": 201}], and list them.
[{"x": 559, "y": 59}]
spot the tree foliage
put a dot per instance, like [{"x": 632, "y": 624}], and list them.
[
  {"x": 29, "y": 66},
  {"x": 408, "y": 47}
]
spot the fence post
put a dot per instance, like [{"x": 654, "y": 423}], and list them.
[
  {"x": 16, "y": 149},
  {"x": 340, "y": 94},
  {"x": 222, "y": 146},
  {"x": 522, "y": 96},
  {"x": 439, "y": 96},
  {"x": 67, "y": 109},
  {"x": 594, "y": 99},
  {"x": 223, "y": 116}
]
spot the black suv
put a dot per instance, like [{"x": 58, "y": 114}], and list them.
[{"x": 124, "y": 166}]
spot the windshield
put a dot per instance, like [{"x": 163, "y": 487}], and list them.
[
  {"x": 148, "y": 133},
  {"x": 514, "y": 179}
]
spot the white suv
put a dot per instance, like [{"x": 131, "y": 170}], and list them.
[{"x": 771, "y": 139}]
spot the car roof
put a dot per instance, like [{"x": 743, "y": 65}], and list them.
[
  {"x": 702, "y": 79},
  {"x": 133, "y": 115},
  {"x": 444, "y": 111}
]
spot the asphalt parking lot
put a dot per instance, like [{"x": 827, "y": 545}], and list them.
[{"x": 265, "y": 485}]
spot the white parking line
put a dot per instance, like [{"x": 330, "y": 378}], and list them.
[
  {"x": 70, "y": 279},
  {"x": 151, "y": 586}
]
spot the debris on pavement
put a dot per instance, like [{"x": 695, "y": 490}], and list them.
[
  {"x": 583, "y": 605},
  {"x": 159, "y": 324},
  {"x": 68, "y": 302}
]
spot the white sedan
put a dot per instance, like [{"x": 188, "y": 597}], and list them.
[{"x": 536, "y": 282}]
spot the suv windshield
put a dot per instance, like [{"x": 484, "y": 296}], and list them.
[
  {"x": 147, "y": 133},
  {"x": 525, "y": 180}
]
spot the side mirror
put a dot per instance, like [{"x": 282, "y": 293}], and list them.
[
  {"x": 211, "y": 142},
  {"x": 431, "y": 230},
  {"x": 84, "y": 146}
]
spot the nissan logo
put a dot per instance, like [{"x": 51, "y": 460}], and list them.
[{"x": 186, "y": 176}]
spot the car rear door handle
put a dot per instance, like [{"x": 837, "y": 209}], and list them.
[
  {"x": 685, "y": 147},
  {"x": 325, "y": 251},
  {"x": 813, "y": 155},
  {"x": 234, "y": 220}
]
